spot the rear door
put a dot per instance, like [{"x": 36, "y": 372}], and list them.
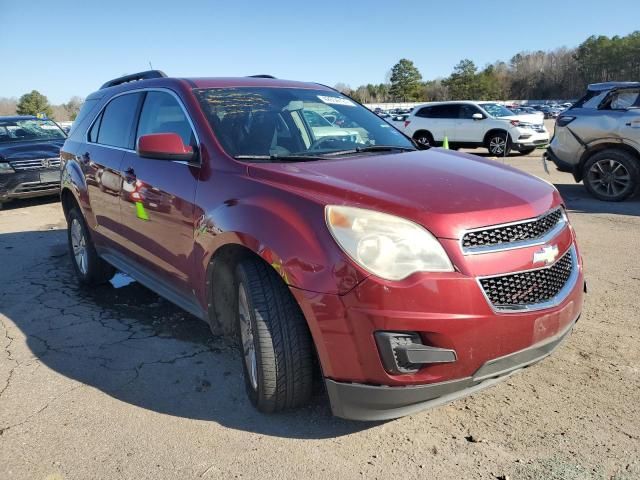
[
  {"x": 110, "y": 136},
  {"x": 443, "y": 121},
  {"x": 158, "y": 196}
]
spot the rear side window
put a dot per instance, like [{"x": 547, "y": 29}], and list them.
[
  {"x": 161, "y": 113},
  {"x": 445, "y": 111},
  {"x": 591, "y": 99},
  {"x": 86, "y": 108},
  {"x": 93, "y": 133},
  {"x": 424, "y": 112},
  {"x": 117, "y": 121}
]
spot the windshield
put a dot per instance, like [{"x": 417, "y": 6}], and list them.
[
  {"x": 271, "y": 123},
  {"x": 496, "y": 110},
  {"x": 28, "y": 130}
]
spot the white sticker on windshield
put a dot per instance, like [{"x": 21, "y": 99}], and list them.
[{"x": 336, "y": 101}]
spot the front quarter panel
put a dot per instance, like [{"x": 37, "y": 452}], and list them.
[{"x": 285, "y": 229}]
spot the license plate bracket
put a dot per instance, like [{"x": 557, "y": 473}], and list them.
[{"x": 49, "y": 177}]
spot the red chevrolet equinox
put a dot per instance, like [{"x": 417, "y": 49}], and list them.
[{"x": 292, "y": 218}]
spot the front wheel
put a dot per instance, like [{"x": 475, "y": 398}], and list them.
[
  {"x": 89, "y": 267},
  {"x": 611, "y": 175},
  {"x": 276, "y": 344},
  {"x": 499, "y": 144}
]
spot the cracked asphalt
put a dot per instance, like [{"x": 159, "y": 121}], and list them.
[{"x": 117, "y": 383}]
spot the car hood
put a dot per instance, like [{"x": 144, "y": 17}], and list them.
[
  {"x": 446, "y": 192},
  {"x": 29, "y": 150}
]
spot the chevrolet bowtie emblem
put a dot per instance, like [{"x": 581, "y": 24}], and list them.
[{"x": 547, "y": 254}]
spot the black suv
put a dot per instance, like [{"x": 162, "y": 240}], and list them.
[{"x": 29, "y": 157}]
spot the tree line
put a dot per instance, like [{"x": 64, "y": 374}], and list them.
[
  {"x": 34, "y": 103},
  {"x": 562, "y": 73}
]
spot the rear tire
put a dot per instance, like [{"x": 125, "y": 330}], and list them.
[
  {"x": 499, "y": 144},
  {"x": 275, "y": 341},
  {"x": 90, "y": 269},
  {"x": 611, "y": 175}
]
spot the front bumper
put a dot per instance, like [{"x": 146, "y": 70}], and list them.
[
  {"x": 31, "y": 183},
  {"x": 448, "y": 311},
  {"x": 525, "y": 139},
  {"x": 373, "y": 403}
]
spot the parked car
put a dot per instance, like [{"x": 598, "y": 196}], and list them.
[
  {"x": 29, "y": 157},
  {"x": 322, "y": 127},
  {"x": 476, "y": 124},
  {"x": 598, "y": 140},
  {"x": 410, "y": 277}
]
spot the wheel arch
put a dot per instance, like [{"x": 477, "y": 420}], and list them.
[
  {"x": 221, "y": 286},
  {"x": 599, "y": 147},
  {"x": 492, "y": 132},
  {"x": 423, "y": 131}
]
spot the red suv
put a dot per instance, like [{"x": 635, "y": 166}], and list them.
[{"x": 410, "y": 277}]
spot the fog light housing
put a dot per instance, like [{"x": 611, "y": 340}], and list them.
[
  {"x": 5, "y": 167},
  {"x": 404, "y": 352}
]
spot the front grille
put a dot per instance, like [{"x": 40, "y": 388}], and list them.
[
  {"x": 528, "y": 288},
  {"x": 35, "y": 163},
  {"x": 37, "y": 187},
  {"x": 515, "y": 232}
]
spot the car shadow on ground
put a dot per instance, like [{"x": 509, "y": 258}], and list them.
[
  {"x": 29, "y": 202},
  {"x": 135, "y": 346},
  {"x": 579, "y": 200}
]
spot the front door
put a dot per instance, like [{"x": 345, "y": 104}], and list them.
[
  {"x": 158, "y": 197},
  {"x": 469, "y": 130}
]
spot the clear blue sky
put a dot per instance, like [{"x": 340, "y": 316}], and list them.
[{"x": 70, "y": 47}]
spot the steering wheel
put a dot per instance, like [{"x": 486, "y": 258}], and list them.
[{"x": 318, "y": 143}]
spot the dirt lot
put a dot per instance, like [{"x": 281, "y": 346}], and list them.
[{"x": 117, "y": 383}]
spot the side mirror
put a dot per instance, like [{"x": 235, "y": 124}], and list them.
[
  {"x": 164, "y": 146},
  {"x": 477, "y": 116}
]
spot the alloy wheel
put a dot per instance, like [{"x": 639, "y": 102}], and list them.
[
  {"x": 79, "y": 245},
  {"x": 246, "y": 336},
  {"x": 423, "y": 140},
  {"x": 497, "y": 145},
  {"x": 609, "y": 177}
]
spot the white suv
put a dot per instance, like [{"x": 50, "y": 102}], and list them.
[{"x": 476, "y": 124}]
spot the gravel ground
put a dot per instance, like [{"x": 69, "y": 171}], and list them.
[{"x": 118, "y": 383}]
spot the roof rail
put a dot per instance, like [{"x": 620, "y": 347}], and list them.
[
  {"x": 134, "y": 77},
  {"x": 261, "y": 76}
]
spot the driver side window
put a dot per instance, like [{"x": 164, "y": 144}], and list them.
[{"x": 161, "y": 113}]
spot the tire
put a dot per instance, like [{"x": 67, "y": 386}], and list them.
[
  {"x": 527, "y": 151},
  {"x": 90, "y": 269},
  {"x": 424, "y": 138},
  {"x": 499, "y": 144},
  {"x": 611, "y": 175},
  {"x": 276, "y": 345}
]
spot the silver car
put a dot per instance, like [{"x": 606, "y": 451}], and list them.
[{"x": 598, "y": 140}]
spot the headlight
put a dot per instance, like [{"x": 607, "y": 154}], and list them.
[
  {"x": 5, "y": 167},
  {"x": 387, "y": 246}
]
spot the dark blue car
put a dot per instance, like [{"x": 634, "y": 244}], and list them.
[{"x": 29, "y": 157}]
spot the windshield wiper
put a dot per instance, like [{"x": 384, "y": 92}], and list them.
[
  {"x": 278, "y": 158},
  {"x": 371, "y": 148}
]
